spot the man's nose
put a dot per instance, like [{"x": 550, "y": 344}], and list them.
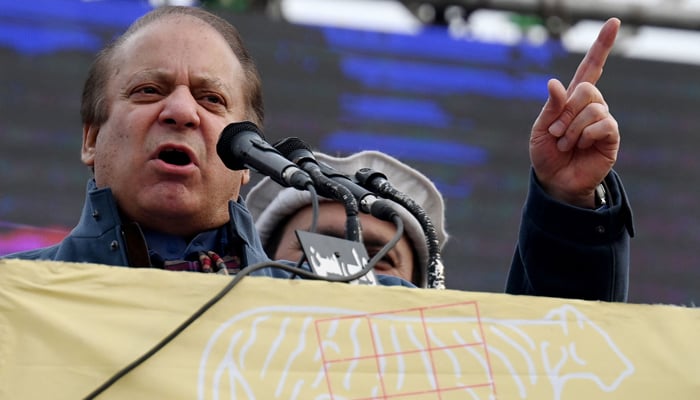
[{"x": 180, "y": 109}]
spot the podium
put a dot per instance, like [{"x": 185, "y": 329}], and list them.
[{"x": 66, "y": 328}]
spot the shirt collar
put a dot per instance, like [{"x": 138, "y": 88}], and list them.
[{"x": 171, "y": 247}]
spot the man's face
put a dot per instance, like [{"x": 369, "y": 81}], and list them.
[
  {"x": 331, "y": 222},
  {"x": 174, "y": 86}
]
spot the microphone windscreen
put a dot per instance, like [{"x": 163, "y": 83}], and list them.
[{"x": 226, "y": 147}]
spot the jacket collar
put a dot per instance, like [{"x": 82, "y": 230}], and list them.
[{"x": 100, "y": 215}]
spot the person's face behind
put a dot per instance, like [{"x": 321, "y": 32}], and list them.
[
  {"x": 175, "y": 85},
  {"x": 331, "y": 222}
]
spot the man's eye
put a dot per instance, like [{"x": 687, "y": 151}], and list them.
[
  {"x": 213, "y": 99},
  {"x": 145, "y": 92},
  {"x": 148, "y": 90},
  {"x": 385, "y": 263}
]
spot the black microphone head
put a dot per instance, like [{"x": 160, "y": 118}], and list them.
[
  {"x": 289, "y": 144},
  {"x": 229, "y": 134},
  {"x": 295, "y": 150},
  {"x": 366, "y": 176}
]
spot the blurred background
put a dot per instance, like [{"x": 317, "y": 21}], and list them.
[{"x": 449, "y": 87}]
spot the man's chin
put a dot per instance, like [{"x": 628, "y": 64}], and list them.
[
  {"x": 174, "y": 222},
  {"x": 175, "y": 206},
  {"x": 177, "y": 210}
]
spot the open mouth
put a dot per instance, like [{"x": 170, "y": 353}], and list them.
[{"x": 174, "y": 157}]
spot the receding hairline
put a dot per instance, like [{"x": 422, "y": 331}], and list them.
[
  {"x": 93, "y": 107},
  {"x": 165, "y": 19},
  {"x": 117, "y": 53}
]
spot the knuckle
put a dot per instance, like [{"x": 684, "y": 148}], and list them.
[
  {"x": 611, "y": 124},
  {"x": 568, "y": 114},
  {"x": 599, "y": 110}
]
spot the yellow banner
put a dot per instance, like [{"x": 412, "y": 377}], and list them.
[{"x": 67, "y": 328}]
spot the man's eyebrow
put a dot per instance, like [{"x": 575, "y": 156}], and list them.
[
  {"x": 210, "y": 82},
  {"x": 331, "y": 231},
  {"x": 165, "y": 76},
  {"x": 368, "y": 242},
  {"x": 156, "y": 74},
  {"x": 374, "y": 240}
]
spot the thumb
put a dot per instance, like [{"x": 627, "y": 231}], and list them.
[{"x": 552, "y": 108}]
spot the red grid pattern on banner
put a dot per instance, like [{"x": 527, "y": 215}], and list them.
[{"x": 356, "y": 356}]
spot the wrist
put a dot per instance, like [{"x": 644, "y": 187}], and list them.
[
  {"x": 593, "y": 198},
  {"x": 582, "y": 200}
]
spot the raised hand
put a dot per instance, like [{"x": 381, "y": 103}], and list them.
[{"x": 575, "y": 140}]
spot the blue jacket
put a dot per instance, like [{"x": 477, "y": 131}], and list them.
[
  {"x": 565, "y": 251},
  {"x": 101, "y": 237}
]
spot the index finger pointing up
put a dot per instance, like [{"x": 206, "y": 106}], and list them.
[{"x": 591, "y": 67}]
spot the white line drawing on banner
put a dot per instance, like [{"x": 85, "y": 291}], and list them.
[{"x": 439, "y": 352}]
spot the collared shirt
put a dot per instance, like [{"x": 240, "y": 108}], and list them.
[
  {"x": 171, "y": 247},
  {"x": 201, "y": 254}
]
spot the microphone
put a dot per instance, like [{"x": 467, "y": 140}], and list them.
[
  {"x": 301, "y": 154},
  {"x": 298, "y": 152},
  {"x": 379, "y": 183},
  {"x": 368, "y": 201},
  {"x": 241, "y": 146}
]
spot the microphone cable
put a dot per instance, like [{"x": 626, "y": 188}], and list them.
[
  {"x": 314, "y": 218},
  {"x": 378, "y": 182}
]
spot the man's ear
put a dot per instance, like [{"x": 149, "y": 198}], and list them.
[{"x": 87, "y": 154}]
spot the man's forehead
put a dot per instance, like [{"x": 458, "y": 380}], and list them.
[
  {"x": 189, "y": 27},
  {"x": 177, "y": 22},
  {"x": 152, "y": 53},
  {"x": 332, "y": 221}
]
